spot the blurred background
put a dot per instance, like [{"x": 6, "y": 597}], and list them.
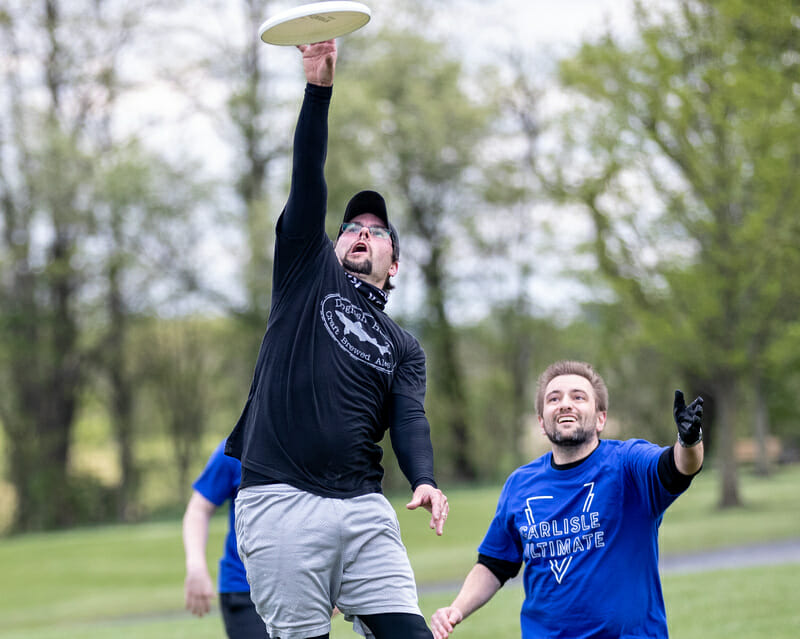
[
  {"x": 607, "y": 180},
  {"x": 611, "y": 181}
]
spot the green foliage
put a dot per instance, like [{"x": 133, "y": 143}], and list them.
[
  {"x": 683, "y": 151},
  {"x": 402, "y": 123},
  {"x": 403, "y": 114},
  {"x": 716, "y": 102},
  {"x": 89, "y": 221},
  {"x": 192, "y": 385}
]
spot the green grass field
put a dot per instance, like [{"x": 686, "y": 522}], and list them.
[{"x": 127, "y": 581}]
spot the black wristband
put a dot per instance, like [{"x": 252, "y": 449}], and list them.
[{"x": 686, "y": 444}]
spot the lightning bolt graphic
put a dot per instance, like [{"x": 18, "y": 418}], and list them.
[
  {"x": 589, "y": 498},
  {"x": 529, "y": 510}
]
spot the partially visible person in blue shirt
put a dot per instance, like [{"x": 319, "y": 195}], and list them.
[{"x": 218, "y": 483}]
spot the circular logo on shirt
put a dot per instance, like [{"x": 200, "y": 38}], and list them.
[{"x": 357, "y": 333}]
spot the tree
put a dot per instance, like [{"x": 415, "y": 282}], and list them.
[
  {"x": 178, "y": 361},
  {"x": 142, "y": 212},
  {"x": 684, "y": 154},
  {"x": 242, "y": 102},
  {"x": 66, "y": 186},
  {"x": 41, "y": 176},
  {"x": 406, "y": 127}
]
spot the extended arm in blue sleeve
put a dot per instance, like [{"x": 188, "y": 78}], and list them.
[{"x": 411, "y": 440}]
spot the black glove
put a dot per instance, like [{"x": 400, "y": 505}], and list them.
[{"x": 688, "y": 419}]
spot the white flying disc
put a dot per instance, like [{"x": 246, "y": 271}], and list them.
[{"x": 315, "y": 22}]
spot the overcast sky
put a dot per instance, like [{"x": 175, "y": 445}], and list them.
[{"x": 554, "y": 23}]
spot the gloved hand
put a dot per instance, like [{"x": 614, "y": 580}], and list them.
[{"x": 688, "y": 418}]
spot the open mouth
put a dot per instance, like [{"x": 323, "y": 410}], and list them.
[
  {"x": 566, "y": 419},
  {"x": 358, "y": 248}
]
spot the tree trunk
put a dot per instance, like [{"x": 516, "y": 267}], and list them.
[
  {"x": 40, "y": 424},
  {"x": 518, "y": 349},
  {"x": 447, "y": 370},
  {"x": 122, "y": 423},
  {"x": 116, "y": 361},
  {"x": 761, "y": 431},
  {"x": 727, "y": 398}
]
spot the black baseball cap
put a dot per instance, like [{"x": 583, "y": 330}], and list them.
[{"x": 371, "y": 202}]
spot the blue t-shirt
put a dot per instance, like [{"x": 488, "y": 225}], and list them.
[
  {"x": 589, "y": 538},
  {"x": 218, "y": 483}
]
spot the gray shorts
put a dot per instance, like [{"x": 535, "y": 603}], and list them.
[{"x": 305, "y": 554}]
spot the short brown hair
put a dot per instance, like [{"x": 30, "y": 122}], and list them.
[{"x": 570, "y": 367}]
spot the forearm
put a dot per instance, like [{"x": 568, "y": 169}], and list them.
[
  {"x": 689, "y": 460},
  {"x": 195, "y": 533},
  {"x": 198, "y": 587},
  {"x": 410, "y": 433},
  {"x": 305, "y": 208},
  {"x": 479, "y": 587}
]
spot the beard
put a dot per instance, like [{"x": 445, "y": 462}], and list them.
[
  {"x": 357, "y": 268},
  {"x": 579, "y": 436}
]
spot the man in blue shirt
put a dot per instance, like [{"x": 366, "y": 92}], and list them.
[
  {"x": 584, "y": 519},
  {"x": 217, "y": 484}
]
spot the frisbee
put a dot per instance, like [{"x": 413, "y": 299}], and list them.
[{"x": 315, "y": 22}]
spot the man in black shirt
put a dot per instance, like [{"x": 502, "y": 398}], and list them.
[{"x": 334, "y": 372}]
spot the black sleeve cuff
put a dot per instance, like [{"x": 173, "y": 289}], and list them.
[
  {"x": 424, "y": 480},
  {"x": 500, "y": 568},
  {"x": 671, "y": 478},
  {"x": 317, "y": 91}
]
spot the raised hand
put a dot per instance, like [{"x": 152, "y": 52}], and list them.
[
  {"x": 319, "y": 62},
  {"x": 688, "y": 418}
]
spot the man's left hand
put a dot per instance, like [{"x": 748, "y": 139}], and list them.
[
  {"x": 689, "y": 419},
  {"x": 434, "y": 501}
]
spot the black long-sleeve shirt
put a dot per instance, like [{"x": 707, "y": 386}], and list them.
[{"x": 334, "y": 372}]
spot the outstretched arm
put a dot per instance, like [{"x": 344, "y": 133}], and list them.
[
  {"x": 479, "y": 587},
  {"x": 308, "y": 195},
  {"x": 198, "y": 586},
  {"x": 689, "y": 449}
]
